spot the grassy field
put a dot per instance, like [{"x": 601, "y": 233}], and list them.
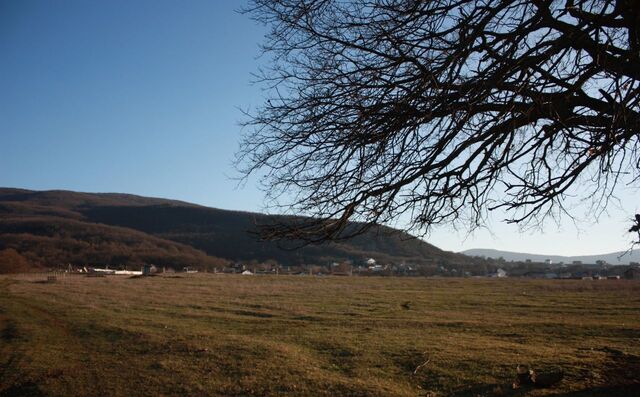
[{"x": 230, "y": 335}]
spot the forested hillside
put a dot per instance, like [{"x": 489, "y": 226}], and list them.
[{"x": 53, "y": 228}]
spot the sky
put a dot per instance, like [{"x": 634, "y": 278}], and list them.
[{"x": 145, "y": 97}]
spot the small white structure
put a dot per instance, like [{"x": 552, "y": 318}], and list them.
[
  {"x": 149, "y": 269},
  {"x": 97, "y": 270},
  {"x": 371, "y": 262},
  {"x": 128, "y": 272},
  {"x": 500, "y": 273},
  {"x": 247, "y": 273}
]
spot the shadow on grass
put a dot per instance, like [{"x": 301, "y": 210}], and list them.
[
  {"x": 605, "y": 391},
  {"x": 7, "y": 372},
  {"x": 27, "y": 389},
  {"x": 9, "y": 333},
  {"x": 621, "y": 372},
  {"x": 505, "y": 390}
]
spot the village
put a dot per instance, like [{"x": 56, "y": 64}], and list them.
[{"x": 371, "y": 268}]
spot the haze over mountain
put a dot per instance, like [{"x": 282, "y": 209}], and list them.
[
  {"x": 53, "y": 228},
  {"x": 613, "y": 258}
]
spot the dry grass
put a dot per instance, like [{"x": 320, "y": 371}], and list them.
[{"x": 231, "y": 335}]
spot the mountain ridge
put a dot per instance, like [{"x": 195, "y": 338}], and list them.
[
  {"x": 613, "y": 258},
  {"x": 60, "y": 226}
]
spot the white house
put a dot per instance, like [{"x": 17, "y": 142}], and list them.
[{"x": 500, "y": 273}]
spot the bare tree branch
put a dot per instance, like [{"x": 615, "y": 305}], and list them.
[{"x": 442, "y": 110}]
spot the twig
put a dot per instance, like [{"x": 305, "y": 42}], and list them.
[{"x": 420, "y": 366}]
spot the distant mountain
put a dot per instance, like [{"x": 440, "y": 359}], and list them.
[
  {"x": 51, "y": 228},
  {"x": 614, "y": 258}
]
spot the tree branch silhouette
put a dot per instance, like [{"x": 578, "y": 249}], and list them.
[{"x": 442, "y": 110}]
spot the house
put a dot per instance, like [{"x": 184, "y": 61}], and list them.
[
  {"x": 376, "y": 268},
  {"x": 148, "y": 269},
  {"x": 247, "y": 273},
  {"x": 500, "y": 273},
  {"x": 341, "y": 269},
  {"x": 315, "y": 270},
  {"x": 632, "y": 273}
]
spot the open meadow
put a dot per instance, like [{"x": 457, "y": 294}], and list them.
[{"x": 231, "y": 335}]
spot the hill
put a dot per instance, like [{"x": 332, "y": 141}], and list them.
[
  {"x": 50, "y": 228},
  {"x": 613, "y": 258}
]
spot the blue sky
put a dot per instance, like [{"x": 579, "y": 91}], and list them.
[
  {"x": 142, "y": 97},
  {"x": 131, "y": 96}
]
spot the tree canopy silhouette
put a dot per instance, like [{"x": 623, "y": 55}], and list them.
[{"x": 442, "y": 110}]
